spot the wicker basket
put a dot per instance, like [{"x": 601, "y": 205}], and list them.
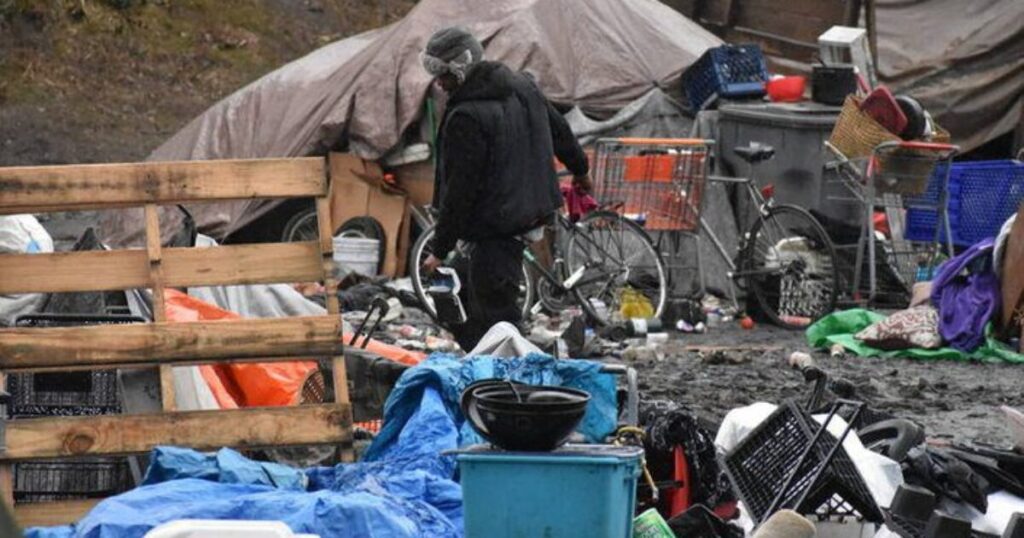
[{"x": 856, "y": 134}]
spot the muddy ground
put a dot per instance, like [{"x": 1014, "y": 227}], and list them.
[{"x": 951, "y": 399}]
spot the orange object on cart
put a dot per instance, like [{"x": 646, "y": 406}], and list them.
[{"x": 251, "y": 384}]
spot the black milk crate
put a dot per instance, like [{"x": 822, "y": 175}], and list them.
[
  {"x": 76, "y": 393},
  {"x": 45, "y": 481},
  {"x": 760, "y": 465},
  {"x": 65, "y": 393}
]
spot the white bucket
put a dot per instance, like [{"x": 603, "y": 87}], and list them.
[
  {"x": 199, "y": 528},
  {"x": 356, "y": 254}
]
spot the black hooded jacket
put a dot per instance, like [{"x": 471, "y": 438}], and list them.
[{"x": 495, "y": 173}]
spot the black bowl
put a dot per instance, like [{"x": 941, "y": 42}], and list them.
[
  {"x": 500, "y": 393},
  {"x": 543, "y": 424},
  {"x": 539, "y": 398}
]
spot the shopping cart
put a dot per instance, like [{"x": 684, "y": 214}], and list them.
[
  {"x": 659, "y": 184},
  {"x": 898, "y": 176}
]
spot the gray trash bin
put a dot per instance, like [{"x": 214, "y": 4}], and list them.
[{"x": 797, "y": 132}]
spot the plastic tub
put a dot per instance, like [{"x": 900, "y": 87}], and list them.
[
  {"x": 577, "y": 490},
  {"x": 356, "y": 254},
  {"x": 206, "y": 528},
  {"x": 786, "y": 89}
]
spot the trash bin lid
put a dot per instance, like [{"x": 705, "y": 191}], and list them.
[{"x": 806, "y": 115}]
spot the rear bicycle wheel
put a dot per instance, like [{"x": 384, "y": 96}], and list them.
[
  {"x": 421, "y": 250},
  {"x": 789, "y": 264},
  {"x": 608, "y": 255}
]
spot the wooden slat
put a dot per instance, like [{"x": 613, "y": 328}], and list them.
[
  {"x": 73, "y": 271},
  {"x": 154, "y": 247},
  {"x": 253, "y": 427},
  {"x": 103, "y": 185},
  {"x": 127, "y": 269},
  {"x": 243, "y": 264},
  {"x": 185, "y": 343},
  {"x": 52, "y": 514}
]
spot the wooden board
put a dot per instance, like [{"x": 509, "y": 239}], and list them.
[
  {"x": 183, "y": 343},
  {"x": 254, "y": 427},
  {"x": 95, "y": 270},
  {"x": 181, "y": 267},
  {"x": 51, "y": 514},
  {"x": 102, "y": 185}
]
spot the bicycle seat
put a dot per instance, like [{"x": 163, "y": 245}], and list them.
[{"x": 754, "y": 154}]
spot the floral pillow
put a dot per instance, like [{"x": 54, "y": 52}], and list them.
[{"x": 916, "y": 327}]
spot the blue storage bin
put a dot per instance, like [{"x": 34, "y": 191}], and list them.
[
  {"x": 575, "y": 491},
  {"x": 982, "y": 195},
  {"x": 726, "y": 71}
]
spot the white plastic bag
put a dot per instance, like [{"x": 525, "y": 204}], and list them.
[{"x": 22, "y": 234}]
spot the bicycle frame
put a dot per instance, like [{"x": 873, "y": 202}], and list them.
[
  {"x": 573, "y": 280},
  {"x": 762, "y": 203}
]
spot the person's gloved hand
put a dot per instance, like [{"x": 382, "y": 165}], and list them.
[{"x": 582, "y": 183}]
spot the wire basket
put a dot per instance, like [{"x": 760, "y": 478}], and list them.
[
  {"x": 759, "y": 467},
  {"x": 43, "y": 481},
  {"x": 657, "y": 182}
]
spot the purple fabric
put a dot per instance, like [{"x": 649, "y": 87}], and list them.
[{"x": 966, "y": 303}]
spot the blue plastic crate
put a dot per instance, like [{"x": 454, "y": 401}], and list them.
[
  {"x": 726, "y": 71},
  {"x": 577, "y": 490},
  {"x": 982, "y": 195}
]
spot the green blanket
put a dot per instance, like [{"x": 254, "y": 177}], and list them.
[{"x": 839, "y": 328}]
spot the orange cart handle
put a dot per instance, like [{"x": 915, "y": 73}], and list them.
[{"x": 664, "y": 141}]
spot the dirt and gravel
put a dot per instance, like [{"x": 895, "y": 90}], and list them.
[{"x": 953, "y": 400}]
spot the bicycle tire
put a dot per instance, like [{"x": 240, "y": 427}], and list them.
[
  {"x": 420, "y": 251},
  {"x": 302, "y": 226},
  {"x": 797, "y": 303},
  {"x": 657, "y": 295}
]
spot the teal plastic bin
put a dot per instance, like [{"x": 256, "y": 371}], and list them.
[{"x": 575, "y": 491}]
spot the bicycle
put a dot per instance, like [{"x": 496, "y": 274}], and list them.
[
  {"x": 595, "y": 260},
  {"x": 786, "y": 258}
]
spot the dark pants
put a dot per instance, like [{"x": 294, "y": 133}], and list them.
[{"x": 490, "y": 286}]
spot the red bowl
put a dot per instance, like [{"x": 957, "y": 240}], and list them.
[{"x": 786, "y": 88}]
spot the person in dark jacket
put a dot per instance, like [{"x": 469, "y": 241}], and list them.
[{"x": 495, "y": 178}]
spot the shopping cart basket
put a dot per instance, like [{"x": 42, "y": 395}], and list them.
[
  {"x": 658, "y": 182},
  {"x": 895, "y": 177}
]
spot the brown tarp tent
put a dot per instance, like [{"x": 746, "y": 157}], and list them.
[
  {"x": 964, "y": 59},
  {"x": 366, "y": 91}
]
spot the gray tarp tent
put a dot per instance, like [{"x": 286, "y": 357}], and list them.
[
  {"x": 597, "y": 55},
  {"x": 964, "y": 59}
]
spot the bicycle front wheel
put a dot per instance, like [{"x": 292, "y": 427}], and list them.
[
  {"x": 421, "y": 250},
  {"x": 608, "y": 257},
  {"x": 790, "y": 266}
]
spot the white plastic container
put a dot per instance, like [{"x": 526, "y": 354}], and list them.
[
  {"x": 209, "y": 528},
  {"x": 357, "y": 254}
]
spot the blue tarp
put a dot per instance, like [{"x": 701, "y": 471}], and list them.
[
  {"x": 449, "y": 376},
  {"x": 403, "y": 488}
]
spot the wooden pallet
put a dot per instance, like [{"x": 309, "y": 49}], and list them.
[{"x": 163, "y": 344}]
